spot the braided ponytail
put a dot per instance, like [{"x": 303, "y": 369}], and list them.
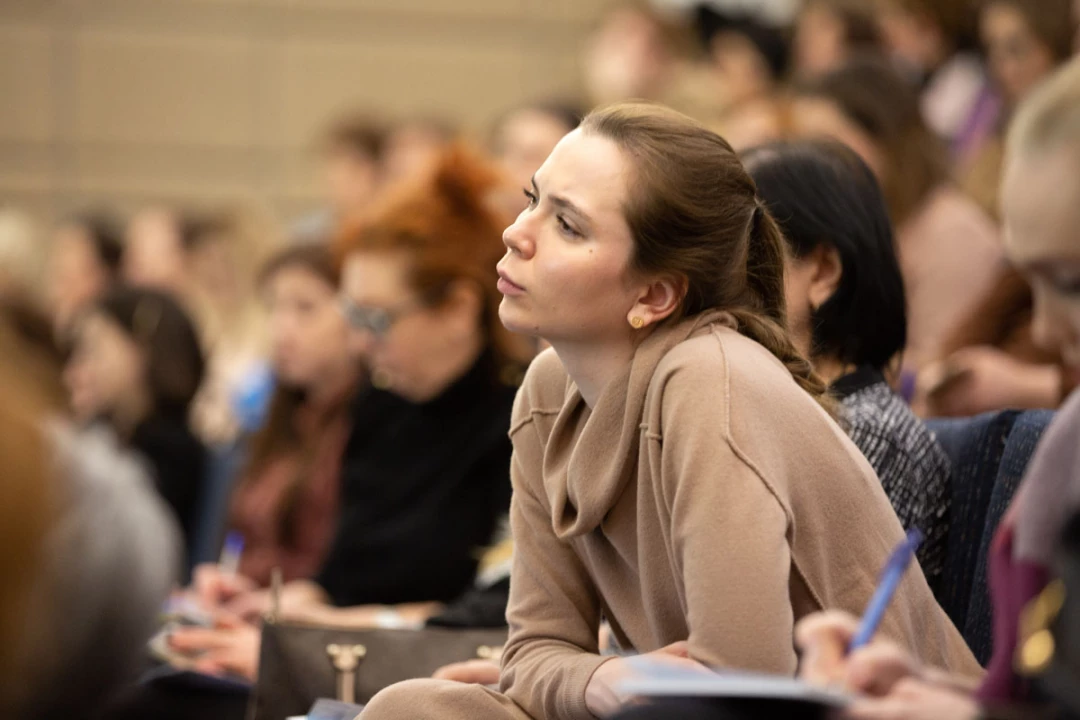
[{"x": 764, "y": 318}]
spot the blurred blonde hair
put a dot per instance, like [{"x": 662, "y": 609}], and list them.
[
  {"x": 1049, "y": 119},
  {"x": 22, "y": 255}
]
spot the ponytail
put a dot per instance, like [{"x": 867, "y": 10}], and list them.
[{"x": 763, "y": 318}]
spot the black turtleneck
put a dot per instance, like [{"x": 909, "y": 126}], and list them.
[{"x": 423, "y": 487}]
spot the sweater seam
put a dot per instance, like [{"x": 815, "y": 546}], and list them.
[{"x": 517, "y": 427}]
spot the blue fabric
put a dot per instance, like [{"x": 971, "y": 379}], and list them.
[
  {"x": 225, "y": 463},
  {"x": 989, "y": 454}
]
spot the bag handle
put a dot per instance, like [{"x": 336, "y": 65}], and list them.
[{"x": 346, "y": 659}]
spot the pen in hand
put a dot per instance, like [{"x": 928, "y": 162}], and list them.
[{"x": 890, "y": 579}]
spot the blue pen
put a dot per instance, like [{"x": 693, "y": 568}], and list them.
[
  {"x": 231, "y": 552},
  {"x": 890, "y": 579}
]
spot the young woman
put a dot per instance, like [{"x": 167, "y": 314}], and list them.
[
  {"x": 286, "y": 503},
  {"x": 84, "y": 262},
  {"x": 1041, "y": 198},
  {"x": 674, "y": 470},
  {"x": 948, "y": 247},
  {"x": 845, "y": 305},
  {"x": 136, "y": 365}
]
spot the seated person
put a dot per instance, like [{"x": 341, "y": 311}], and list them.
[
  {"x": 1040, "y": 209},
  {"x": 676, "y": 467},
  {"x": 845, "y": 307},
  {"x": 424, "y": 478},
  {"x": 136, "y": 366}
]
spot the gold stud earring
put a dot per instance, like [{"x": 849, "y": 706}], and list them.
[{"x": 637, "y": 322}]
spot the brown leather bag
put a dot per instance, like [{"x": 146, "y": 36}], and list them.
[{"x": 300, "y": 663}]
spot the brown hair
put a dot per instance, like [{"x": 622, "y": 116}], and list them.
[
  {"x": 954, "y": 17},
  {"x": 861, "y": 31},
  {"x": 357, "y": 133},
  {"x": 25, "y": 502},
  {"x": 694, "y": 214},
  {"x": 876, "y": 99},
  {"x": 280, "y": 435},
  {"x": 446, "y": 224},
  {"x": 1052, "y": 22}
]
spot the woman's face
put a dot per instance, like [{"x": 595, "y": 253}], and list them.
[
  {"x": 406, "y": 342},
  {"x": 308, "y": 338},
  {"x": 815, "y": 117},
  {"x": 565, "y": 275},
  {"x": 1041, "y": 211},
  {"x": 1018, "y": 58},
  {"x": 106, "y": 370},
  {"x": 154, "y": 256},
  {"x": 524, "y": 141},
  {"x": 820, "y": 43},
  {"x": 76, "y": 275}
]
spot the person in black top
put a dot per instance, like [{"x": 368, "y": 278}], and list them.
[
  {"x": 135, "y": 366},
  {"x": 426, "y": 472},
  {"x": 845, "y": 302}
]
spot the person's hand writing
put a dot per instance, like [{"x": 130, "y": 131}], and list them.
[
  {"x": 823, "y": 640},
  {"x": 231, "y": 647},
  {"x": 214, "y": 589},
  {"x": 912, "y": 699},
  {"x": 601, "y": 695}
]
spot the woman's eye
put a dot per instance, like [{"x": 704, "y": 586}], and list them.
[
  {"x": 565, "y": 227},
  {"x": 531, "y": 197}
]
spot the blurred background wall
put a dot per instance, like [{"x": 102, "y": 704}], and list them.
[{"x": 121, "y": 102}]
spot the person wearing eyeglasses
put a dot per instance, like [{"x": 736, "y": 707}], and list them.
[{"x": 425, "y": 475}]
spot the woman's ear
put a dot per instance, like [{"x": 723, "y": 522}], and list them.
[
  {"x": 825, "y": 277},
  {"x": 658, "y": 301}
]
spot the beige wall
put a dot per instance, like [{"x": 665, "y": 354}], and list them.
[{"x": 121, "y": 102}]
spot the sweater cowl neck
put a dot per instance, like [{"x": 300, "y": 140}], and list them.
[{"x": 592, "y": 454}]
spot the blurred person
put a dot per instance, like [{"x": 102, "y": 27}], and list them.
[
  {"x": 648, "y": 262},
  {"x": 135, "y": 367},
  {"x": 89, "y": 551},
  {"x": 22, "y": 256},
  {"x": 629, "y": 54},
  {"x": 755, "y": 122},
  {"x": 829, "y": 33},
  {"x": 948, "y": 248},
  {"x": 747, "y": 55},
  {"x": 933, "y": 42},
  {"x": 846, "y": 310},
  {"x": 351, "y": 151},
  {"x": 1040, "y": 207},
  {"x": 1024, "y": 41},
  {"x": 523, "y": 138},
  {"x": 286, "y": 503},
  {"x": 154, "y": 251},
  {"x": 225, "y": 250},
  {"x": 413, "y": 145},
  {"x": 84, "y": 262},
  {"x": 425, "y": 471}
]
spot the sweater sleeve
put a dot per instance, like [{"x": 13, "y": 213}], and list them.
[
  {"x": 554, "y": 616},
  {"x": 727, "y": 536}
]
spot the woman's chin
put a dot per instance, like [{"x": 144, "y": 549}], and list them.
[{"x": 515, "y": 319}]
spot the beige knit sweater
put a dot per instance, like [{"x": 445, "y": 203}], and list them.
[{"x": 706, "y": 497}]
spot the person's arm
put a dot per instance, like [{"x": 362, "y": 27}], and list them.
[
  {"x": 728, "y": 535},
  {"x": 554, "y": 615}
]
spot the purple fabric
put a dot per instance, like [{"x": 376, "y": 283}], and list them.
[{"x": 1013, "y": 584}]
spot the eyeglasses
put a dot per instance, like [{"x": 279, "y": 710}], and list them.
[{"x": 376, "y": 320}]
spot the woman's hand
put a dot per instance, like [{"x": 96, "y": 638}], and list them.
[
  {"x": 231, "y": 647},
  {"x": 823, "y": 639},
  {"x": 214, "y": 589},
  {"x": 601, "y": 696},
  {"x": 912, "y": 699},
  {"x": 982, "y": 378}
]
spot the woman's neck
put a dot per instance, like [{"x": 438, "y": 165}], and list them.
[
  {"x": 127, "y": 414},
  {"x": 330, "y": 386},
  {"x": 592, "y": 365},
  {"x": 830, "y": 369}
]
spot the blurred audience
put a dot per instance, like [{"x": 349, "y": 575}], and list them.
[
  {"x": 522, "y": 139},
  {"x": 932, "y": 41},
  {"x": 748, "y": 55},
  {"x": 89, "y": 553},
  {"x": 425, "y": 474},
  {"x": 135, "y": 367},
  {"x": 286, "y": 503},
  {"x": 84, "y": 262},
  {"x": 830, "y": 33},
  {"x": 413, "y": 144},
  {"x": 845, "y": 303},
  {"x": 630, "y": 54},
  {"x": 1040, "y": 208},
  {"x": 948, "y": 247}
]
